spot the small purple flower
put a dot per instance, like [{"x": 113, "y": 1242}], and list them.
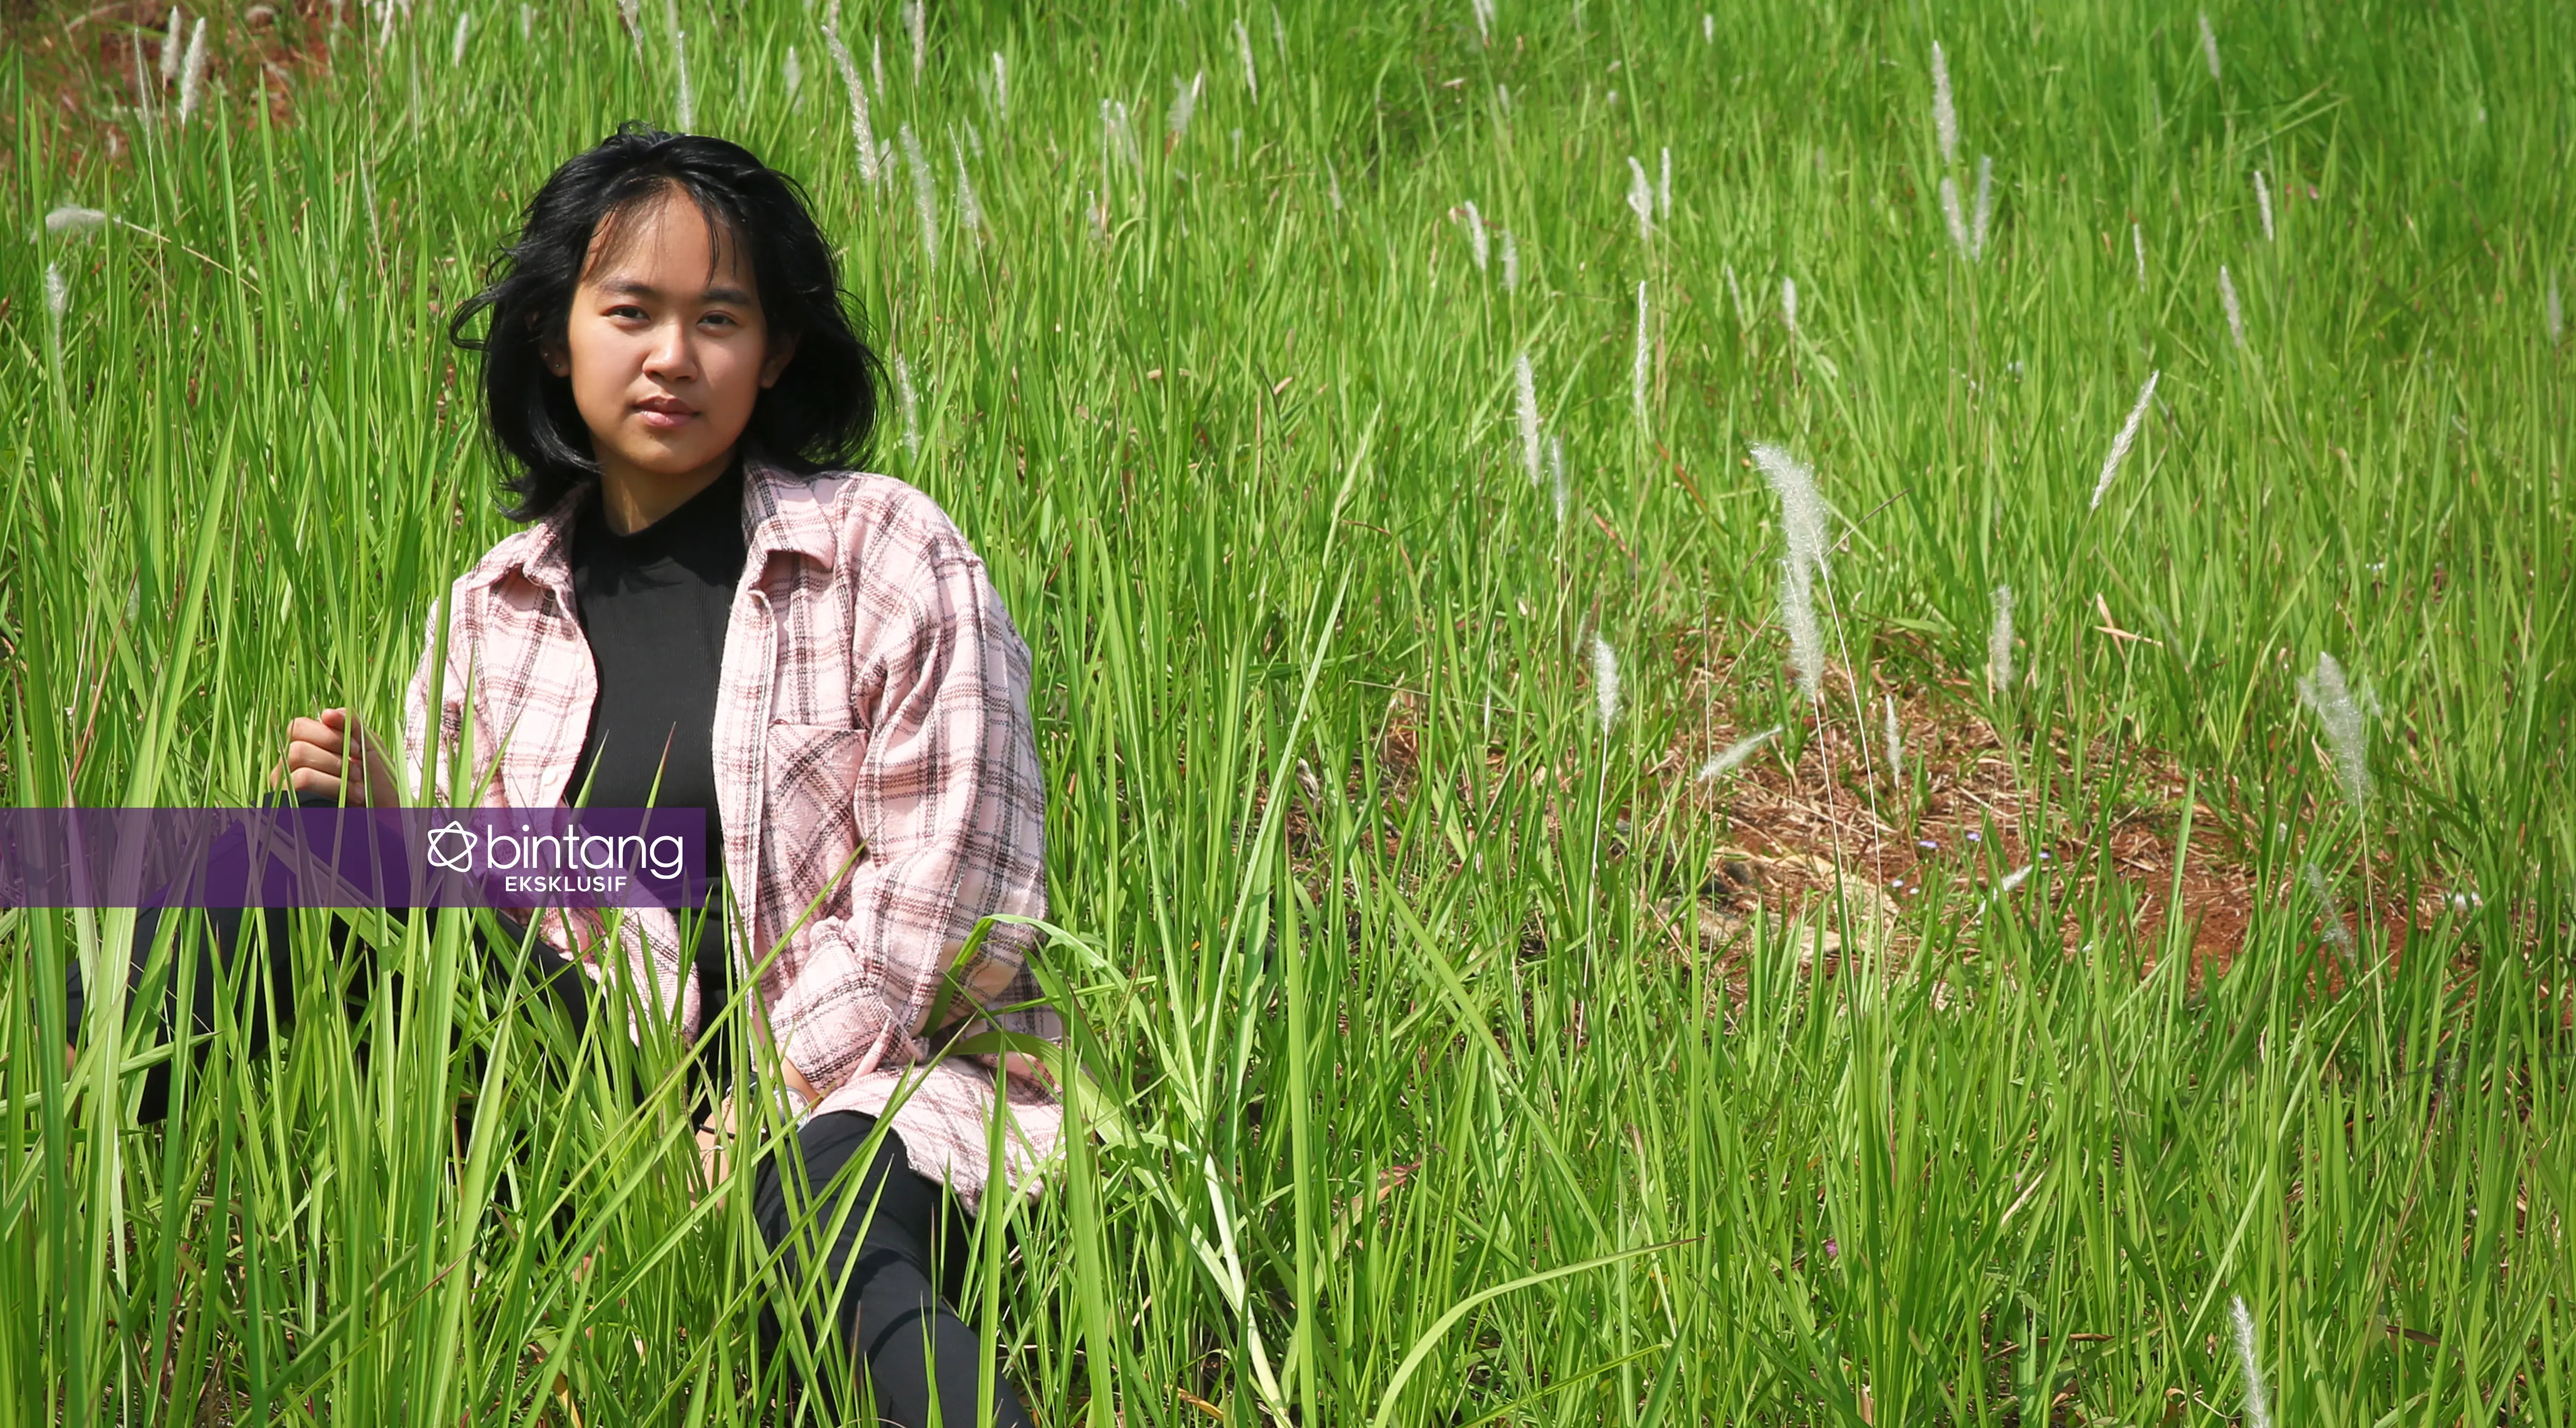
[{"x": 1832, "y": 1250}]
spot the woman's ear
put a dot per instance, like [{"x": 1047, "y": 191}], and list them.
[
  {"x": 781, "y": 352},
  {"x": 557, "y": 359}
]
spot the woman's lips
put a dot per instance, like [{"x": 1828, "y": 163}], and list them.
[{"x": 664, "y": 414}]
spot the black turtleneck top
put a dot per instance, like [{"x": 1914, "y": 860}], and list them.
[{"x": 654, "y": 605}]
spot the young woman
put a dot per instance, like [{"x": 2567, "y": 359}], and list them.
[{"x": 709, "y": 612}]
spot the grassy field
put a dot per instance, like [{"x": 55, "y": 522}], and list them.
[{"x": 2136, "y": 1041}]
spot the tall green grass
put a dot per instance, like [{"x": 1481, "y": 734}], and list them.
[{"x": 1412, "y": 1106}]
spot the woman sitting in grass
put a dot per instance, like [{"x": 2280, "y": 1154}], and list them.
[{"x": 709, "y": 612}]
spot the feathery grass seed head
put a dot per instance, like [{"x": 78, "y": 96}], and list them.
[
  {"x": 456, "y": 46},
  {"x": 862, "y": 134},
  {"x": 1945, "y": 114},
  {"x": 1736, "y": 753},
  {"x": 2128, "y": 434},
  {"x": 2330, "y": 698},
  {"x": 969, "y": 211},
  {"x": 792, "y": 73},
  {"x": 907, "y": 407},
  {"x": 1476, "y": 239},
  {"x": 915, "y": 22},
  {"x": 2263, "y": 202},
  {"x": 1605, "y": 682},
  {"x": 1640, "y": 369},
  {"x": 2258, "y": 1400},
  {"x": 1511, "y": 263},
  {"x": 1561, "y": 489},
  {"x": 192, "y": 70},
  {"x": 1525, "y": 390},
  {"x": 1002, "y": 86},
  {"x": 170, "y": 47},
  {"x": 2138, "y": 242},
  {"x": 1789, "y": 304},
  {"x": 1243, "y": 51},
  {"x": 1999, "y": 643},
  {"x": 925, "y": 197},
  {"x": 1895, "y": 746},
  {"x": 72, "y": 220},
  {"x": 688, "y": 105},
  {"x": 58, "y": 294},
  {"x": 1185, "y": 103},
  {"x": 2209, "y": 45},
  {"x": 1641, "y": 200},
  {"x": 1802, "y": 509},
  {"x": 2227, "y": 300},
  {"x": 1951, "y": 215},
  {"x": 1664, "y": 188}
]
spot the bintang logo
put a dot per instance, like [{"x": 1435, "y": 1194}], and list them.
[{"x": 568, "y": 862}]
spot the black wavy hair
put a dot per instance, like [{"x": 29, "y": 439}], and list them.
[{"x": 819, "y": 413}]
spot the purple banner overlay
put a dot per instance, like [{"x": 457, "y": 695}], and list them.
[{"x": 513, "y": 858}]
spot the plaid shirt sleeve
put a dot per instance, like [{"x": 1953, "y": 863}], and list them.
[{"x": 949, "y": 804}]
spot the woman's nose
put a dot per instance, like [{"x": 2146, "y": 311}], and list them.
[{"x": 671, "y": 357}]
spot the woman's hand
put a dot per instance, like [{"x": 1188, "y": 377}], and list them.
[{"x": 325, "y": 754}]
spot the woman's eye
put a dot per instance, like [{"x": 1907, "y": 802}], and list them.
[
  {"x": 626, "y": 311},
  {"x": 721, "y": 319}
]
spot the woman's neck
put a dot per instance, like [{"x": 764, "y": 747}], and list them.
[{"x": 633, "y": 498}]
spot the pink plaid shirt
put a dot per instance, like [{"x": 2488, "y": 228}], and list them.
[{"x": 874, "y": 699}]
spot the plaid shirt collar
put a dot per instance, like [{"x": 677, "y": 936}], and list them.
[{"x": 770, "y": 523}]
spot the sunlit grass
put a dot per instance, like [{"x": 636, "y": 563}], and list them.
[{"x": 1369, "y": 892}]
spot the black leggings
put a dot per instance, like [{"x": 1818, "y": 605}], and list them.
[{"x": 916, "y": 1350}]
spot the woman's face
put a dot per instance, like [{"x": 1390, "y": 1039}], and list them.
[{"x": 666, "y": 346}]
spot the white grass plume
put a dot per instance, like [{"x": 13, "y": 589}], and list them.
[
  {"x": 58, "y": 297},
  {"x": 1798, "y": 616},
  {"x": 1641, "y": 200},
  {"x": 630, "y": 13},
  {"x": 1985, "y": 207},
  {"x": 2258, "y": 1401},
  {"x": 2016, "y": 878},
  {"x": 1605, "y": 682},
  {"x": 527, "y": 20},
  {"x": 1802, "y": 509},
  {"x": 2227, "y": 300},
  {"x": 2138, "y": 242},
  {"x": 1001, "y": 87},
  {"x": 969, "y": 210},
  {"x": 2330, "y": 698},
  {"x": 1243, "y": 51},
  {"x": 1484, "y": 13},
  {"x": 456, "y": 46},
  {"x": 1558, "y": 486},
  {"x": 688, "y": 106},
  {"x": 1789, "y": 304},
  {"x": 1185, "y": 103},
  {"x": 1999, "y": 643},
  {"x": 1952, "y": 216},
  {"x": 907, "y": 407},
  {"x": 792, "y": 73},
  {"x": 1476, "y": 239},
  {"x": 1511, "y": 263},
  {"x": 192, "y": 71},
  {"x": 1525, "y": 389},
  {"x": 2329, "y": 907},
  {"x": 170, "y": 47},
  {"x": 73, "y": 220},
  {"x": 1736, "y": 753},
  {"x": 2121, "y": 443},
  {"x": 862, "y": 133},
  {"x": 1945, "y": 114},
  {"x": 1895, "y": 746},
  {"x": 1641, "y": 369},
  {"x": 1743, "y": 318},
  {"x": 1333, "y": 185},
  {"x": 2209, "y": 45},
  {"x": 925, "y": 197},
  {"x": 1803, "y": 526},
  {"x": 2263, "y": 202},
  {"x": 917, "y": 24},
  {"x": 1664, "y": 188},
  {"x": 2553, "y": 316},
  {"x": 876, "y": 64}
]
